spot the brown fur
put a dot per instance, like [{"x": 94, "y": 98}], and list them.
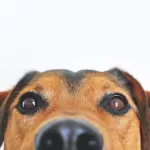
[{"x": 125, "y": 132}]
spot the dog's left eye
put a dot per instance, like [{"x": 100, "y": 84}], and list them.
[
  {"x": 30, "y": 103},
  {"x": 115, "y": 104}
]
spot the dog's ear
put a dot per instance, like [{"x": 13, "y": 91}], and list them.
[
  {"x": 148, "y": 97},
  {"x": 3, "y": 96},
  {"x": 140, "y": 99},
  {"x": 6, "y": 98}
]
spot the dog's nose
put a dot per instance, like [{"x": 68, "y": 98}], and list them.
[{"x": 68, "y": 135}]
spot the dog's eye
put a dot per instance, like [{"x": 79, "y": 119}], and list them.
[
  {"x": 30, "y": 103},
  {"x": 115, "y": 104}
]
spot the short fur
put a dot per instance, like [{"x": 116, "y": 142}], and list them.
[{"x": 70, "y": 94}]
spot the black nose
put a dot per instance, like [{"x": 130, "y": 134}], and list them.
[{"x": 68, "y": 135}]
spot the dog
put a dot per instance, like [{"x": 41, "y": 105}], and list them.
[{"x": 84, "y": 110}]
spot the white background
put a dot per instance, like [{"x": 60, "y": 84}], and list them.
[{"x": 41, "y": 35}]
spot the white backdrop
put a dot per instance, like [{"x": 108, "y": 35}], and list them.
[{"x": 41, "y": 35}]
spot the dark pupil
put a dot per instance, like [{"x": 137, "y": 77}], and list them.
[{"x": 28, "y": 103}]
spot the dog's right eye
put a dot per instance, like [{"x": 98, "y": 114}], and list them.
[
  {"x": 30, "y": 103},
  {"x": 115, "y": 104}
]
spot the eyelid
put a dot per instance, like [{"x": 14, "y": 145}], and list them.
[
  {"x": 111, "y": 95},
  {"x": 32, "y": 94}
]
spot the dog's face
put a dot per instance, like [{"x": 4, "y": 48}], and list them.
[{"x": 62, "y": 110}]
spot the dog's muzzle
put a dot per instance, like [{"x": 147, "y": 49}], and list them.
[{"x": 68, "y": 135}]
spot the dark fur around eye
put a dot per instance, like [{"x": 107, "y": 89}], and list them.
[
  {"x": 104, "y": 103},
  {"x": 40, "y": 103}
]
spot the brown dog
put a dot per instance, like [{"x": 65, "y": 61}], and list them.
[{"x": 86, "y": 110}]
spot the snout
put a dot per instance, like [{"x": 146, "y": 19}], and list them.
[{"x": 68, "y": 135}]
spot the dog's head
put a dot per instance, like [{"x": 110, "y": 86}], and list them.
[{"x": 86, "y": 110}]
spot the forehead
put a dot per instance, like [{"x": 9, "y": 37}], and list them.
[{"x": 74, "y": 81}]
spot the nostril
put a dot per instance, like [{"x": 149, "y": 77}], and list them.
[
  {"x": 51, "y": 141},
  {"x": 87, "y": 142}
]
